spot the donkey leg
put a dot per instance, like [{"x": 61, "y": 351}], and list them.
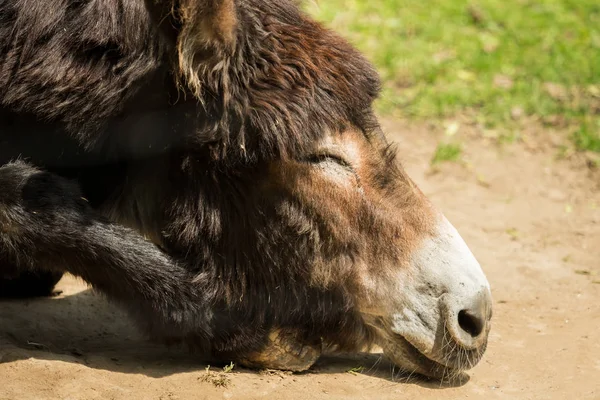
[{"x": 47, "y": 228}]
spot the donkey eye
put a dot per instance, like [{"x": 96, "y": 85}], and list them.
[
  {"x": 326, "y": 158},
  {"x": 334, "y": 166}
]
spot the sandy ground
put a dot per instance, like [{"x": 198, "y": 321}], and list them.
[{"x": 532, "y": 221}]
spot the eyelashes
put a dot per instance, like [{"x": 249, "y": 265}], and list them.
[{"x": 321, "y": 158}]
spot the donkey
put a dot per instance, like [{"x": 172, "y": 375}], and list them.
[{"x": 216, "y": 168}]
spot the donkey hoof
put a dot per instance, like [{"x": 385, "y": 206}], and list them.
[{"x": 284, "y": 352}]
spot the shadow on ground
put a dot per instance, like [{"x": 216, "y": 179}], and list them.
[{"x": 83, "y": 328}]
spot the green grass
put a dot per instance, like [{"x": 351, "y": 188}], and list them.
[
  {"x": 446, "y": 152},
  {"x": 587, "y": 138},
  {"x": 228, "y": 368},
  {"x": 491, "y": 59},
  {"x": 356, "y": 370}
]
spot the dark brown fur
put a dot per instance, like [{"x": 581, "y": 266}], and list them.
[
  {"x": 197, "y": 124},
  {"x": 272, "y": 88}
]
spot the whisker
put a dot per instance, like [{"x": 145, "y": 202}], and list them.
[
  {"x": 375, "y": 363},
  {"x": 409, "y": 376}
]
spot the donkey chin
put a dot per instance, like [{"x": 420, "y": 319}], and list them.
[{"x": 439, "y": 325}]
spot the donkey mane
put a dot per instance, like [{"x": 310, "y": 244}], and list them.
[{"x": 269, "y": 80}]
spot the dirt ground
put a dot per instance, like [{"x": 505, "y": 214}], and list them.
[{"x": 532, "y": 221}]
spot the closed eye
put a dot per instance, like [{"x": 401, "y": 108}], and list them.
[
  {"x": 334, "y": 166},
  {"x": 320, "y": 158}
]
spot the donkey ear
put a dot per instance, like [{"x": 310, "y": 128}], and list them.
[
  {"x": 208, "y": 21},
  {"x": 208, "y": 30}
]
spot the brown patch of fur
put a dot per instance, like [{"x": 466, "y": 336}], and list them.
[
  {"x": 367, "y": 222},
  {"x": 206, "y": 27}
]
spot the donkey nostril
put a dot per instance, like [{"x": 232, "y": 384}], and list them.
[{"x": 471, "y": 323}]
